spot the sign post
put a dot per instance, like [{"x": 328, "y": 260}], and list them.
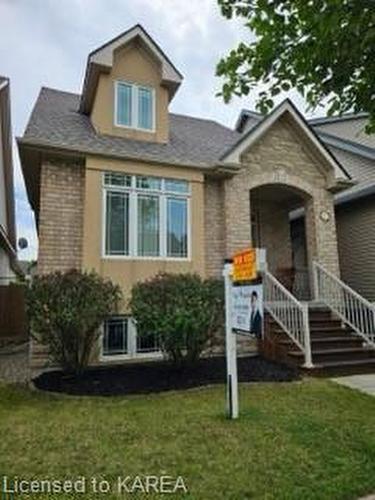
[
  {"x": 230, "y": 347},
  {"x": 243, "y": 312}
]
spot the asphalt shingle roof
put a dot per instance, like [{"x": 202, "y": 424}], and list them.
[{"x": 56, "y": 122}]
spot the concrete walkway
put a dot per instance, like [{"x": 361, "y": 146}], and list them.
[
  {"x": 14, "y": 363},
  {"x": 363, "y": 383}
]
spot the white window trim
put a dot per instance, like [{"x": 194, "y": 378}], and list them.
[
  {"x": 134, "y": 117},
  {"x": 132, "y": 353},
  {"x": 133, "y": 221}
]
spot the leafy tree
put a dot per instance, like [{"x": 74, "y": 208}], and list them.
[
  {"x": 182, "y": 310},
  {"x": 65, "y": 312},
  {"x": 323, "y": 48}
]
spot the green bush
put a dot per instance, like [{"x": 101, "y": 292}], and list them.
[
  {"x": 182, "y": 310},
  {"x": 65, "y": 312}
]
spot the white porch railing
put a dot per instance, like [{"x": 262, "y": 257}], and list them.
[
  {"x": 351, "y": 307},
  {"x": 289, "y": 313}
]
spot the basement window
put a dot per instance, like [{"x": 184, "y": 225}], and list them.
[
  {"x": 120, "y": 340},
  {"x": 115, "y": 338}
]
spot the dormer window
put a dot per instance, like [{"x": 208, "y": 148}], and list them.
[{"x": 134, "y": 106}]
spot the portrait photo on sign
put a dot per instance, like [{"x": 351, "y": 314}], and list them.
[{"x": 247, "y": 309}]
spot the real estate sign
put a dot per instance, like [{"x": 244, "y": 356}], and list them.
[
  {"x": 243, "y": 311},
  {"x": 247, "y": 309},
  {"x": 245, "y": 265}
]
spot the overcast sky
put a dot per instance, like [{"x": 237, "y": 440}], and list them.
[{"x": 46, "y": 43}]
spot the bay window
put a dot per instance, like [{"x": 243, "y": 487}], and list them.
[{"x": 145, "y": 216}]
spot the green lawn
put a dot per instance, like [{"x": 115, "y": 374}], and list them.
[{"x": 301, "y": 440}]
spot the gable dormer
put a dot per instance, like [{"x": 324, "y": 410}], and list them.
[{"x": 129, "y": 83}]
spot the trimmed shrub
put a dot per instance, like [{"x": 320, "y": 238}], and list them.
[
  {"x": 182, "y": 310},
  {"x": 65, "y": 312}
]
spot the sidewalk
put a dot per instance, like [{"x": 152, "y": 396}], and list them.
[{"x": 363, "y": 383}]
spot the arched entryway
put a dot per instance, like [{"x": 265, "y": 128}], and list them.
[{"x": 278, "y": 224}]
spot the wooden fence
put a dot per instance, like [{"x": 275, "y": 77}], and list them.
[{"x": 13, "y": 320}]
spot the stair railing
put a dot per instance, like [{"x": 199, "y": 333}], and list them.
[
  {"x": 349, "y": 305},
  {"x": 290, "y": 314}
]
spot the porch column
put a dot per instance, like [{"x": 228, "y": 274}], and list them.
[
  {"x": 237, "y": 216},
  {"x": 321, "y": 232}
]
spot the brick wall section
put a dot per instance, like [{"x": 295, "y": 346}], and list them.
[
  {"x": 214, "y": 226},
  {"x": 237, "y": 213},
  {"x": 60, "y": 231},
  {"x": 61, "y": 217}
]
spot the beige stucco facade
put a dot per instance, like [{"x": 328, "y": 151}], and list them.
[
  {"x": 132, "y": 64},
  {"x": 126, "y": 271}
]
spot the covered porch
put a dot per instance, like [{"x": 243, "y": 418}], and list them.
[{"x": 279, "y": 225}]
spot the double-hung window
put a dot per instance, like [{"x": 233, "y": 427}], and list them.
[
  {"x": 146, "y": 216},
  {"x": 134, "y": 106}
]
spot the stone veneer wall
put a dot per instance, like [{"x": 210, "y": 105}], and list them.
[
  {"x": 283, "y": 157},
  {"x": 61, "y": 217}
]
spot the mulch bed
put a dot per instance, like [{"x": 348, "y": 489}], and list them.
[{"x": 158, "y": 376}]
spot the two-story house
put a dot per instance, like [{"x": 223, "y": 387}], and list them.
[{"x": 121, "y": 185}]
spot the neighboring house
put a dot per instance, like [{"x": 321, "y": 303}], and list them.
[
  {"x": 12, "y": 306},
  {"x": 8, "y": 255},
  {"x": 121, "y": 185}
]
